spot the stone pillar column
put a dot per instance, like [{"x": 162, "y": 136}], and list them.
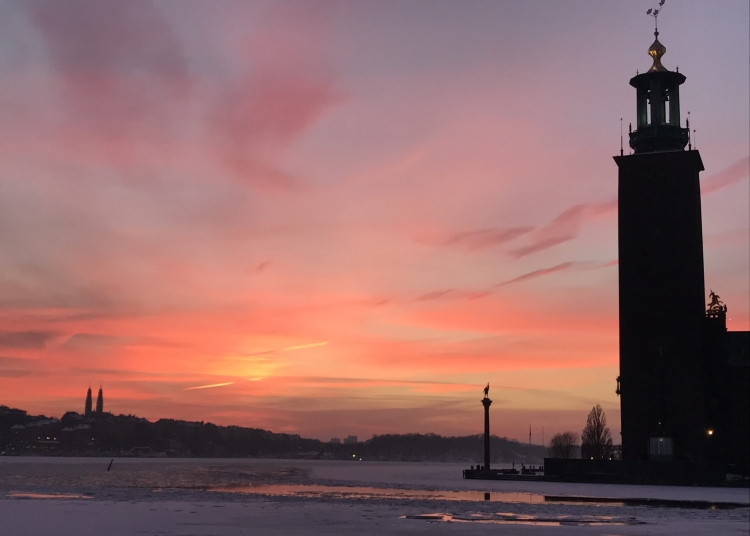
[{"x": 486, "y": 403}]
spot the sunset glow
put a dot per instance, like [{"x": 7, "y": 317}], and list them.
[{"x": 333, "y": 218}]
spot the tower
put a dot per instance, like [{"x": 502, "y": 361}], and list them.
[
  {"x": 661, "y": 284},
  {"x": 87, "y": 409},
  {"x": 100, "y": 402}
]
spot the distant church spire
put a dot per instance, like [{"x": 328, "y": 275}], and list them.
[
  {"x": 87, "y": 410},
  {"x": 100, "y": 402}
]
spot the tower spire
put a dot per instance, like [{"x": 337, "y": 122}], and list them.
[
  {"x": 656, "y": 50},
  {"x": 87, "y": 409},
  {"x": 100, "y": 402},
  {"x": 658, "y": 127}
]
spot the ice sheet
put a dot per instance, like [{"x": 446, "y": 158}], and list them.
[{"x": 168, "y": 496}]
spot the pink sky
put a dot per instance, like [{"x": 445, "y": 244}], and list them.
[{"x": 352, "y": 214}]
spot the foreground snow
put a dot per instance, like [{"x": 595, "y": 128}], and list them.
[{"x": 172, "y": 497}]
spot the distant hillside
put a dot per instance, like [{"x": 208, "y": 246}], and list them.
[
  {"x": 431, "y": 447},
  {"x": 128, "y": 435}
]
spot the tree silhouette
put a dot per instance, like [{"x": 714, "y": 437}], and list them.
[
  {"x": 562, "y": 445},
  {"x": 596, "y": 440}
]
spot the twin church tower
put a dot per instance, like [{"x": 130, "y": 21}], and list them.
[
  {"x": 681, "y": 384},
  {"x": 87, "y": 413}
]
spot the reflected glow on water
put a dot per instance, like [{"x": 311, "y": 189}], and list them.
[
  {"x": 381, "y": 493},
  {"x": 24, "y": 495},
  {"x": 516, "y": 519}
]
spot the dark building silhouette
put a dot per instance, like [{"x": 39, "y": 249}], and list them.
[
  {"x": 100, "y": 402},
  {"x": 727, "y": 375},
  {"x": 680, "y": 397},
  {"x": 87, "y": 409}
]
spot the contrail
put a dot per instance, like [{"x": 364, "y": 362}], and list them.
[
  {"x": 208, "y": 386},
  {"x": 311, "y": 345}
]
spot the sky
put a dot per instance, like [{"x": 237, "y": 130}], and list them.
[{"x": 333, "y": 218}]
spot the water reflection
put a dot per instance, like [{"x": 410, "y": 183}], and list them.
[
  {"x": 313, "y": 491},
  {"x": 516, "y": 519},
  {"x": 24, "y": 495}
]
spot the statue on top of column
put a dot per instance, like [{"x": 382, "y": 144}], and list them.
[{"x": 716, "y": 305}]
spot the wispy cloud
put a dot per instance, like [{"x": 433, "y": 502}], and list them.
[
  {"x": 734, "y": 173},
  {"x": 541, "y": 272},
  {"x": 119, "y": 64},
  {"x": 289, "y": 85},
  {"x": 434, "y": 295},
  {"x": 540, "y": 244},
  {"x": 94, "y": 341},
  {"x": 485, "y": 238},
  {"x": 563, "y": 266},
  {"x": 129, "y": 98},
  {"x": 25, "y": 339},
  {"x": 208, "y": 386},
  {"x": 303, "y": 346},
  {"x": 565, "y": 227}
]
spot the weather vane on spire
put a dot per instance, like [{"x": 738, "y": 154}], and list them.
[
  {"x": 657, "y": 50},
  {"x": 655, "y": 13}
]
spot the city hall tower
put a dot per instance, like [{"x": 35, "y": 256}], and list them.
[{"x": 660, "y": 276}]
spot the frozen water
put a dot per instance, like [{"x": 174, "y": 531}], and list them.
[
  {"x": 363, "y": 492},
  {"x": 68, "y": 496}
]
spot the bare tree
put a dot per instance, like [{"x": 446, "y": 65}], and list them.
[
  {"x": 563, "y": 445},
  {"x": 596, "y": 440}
]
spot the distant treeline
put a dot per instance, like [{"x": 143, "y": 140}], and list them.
[
  {"x": 128, "y": 435},
  {"x": 432, "y": 447}
]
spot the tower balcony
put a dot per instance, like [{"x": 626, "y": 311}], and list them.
[{"x": 659, "y": 138}]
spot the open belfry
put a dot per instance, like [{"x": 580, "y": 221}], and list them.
[{"x": 683, "y": 381}]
